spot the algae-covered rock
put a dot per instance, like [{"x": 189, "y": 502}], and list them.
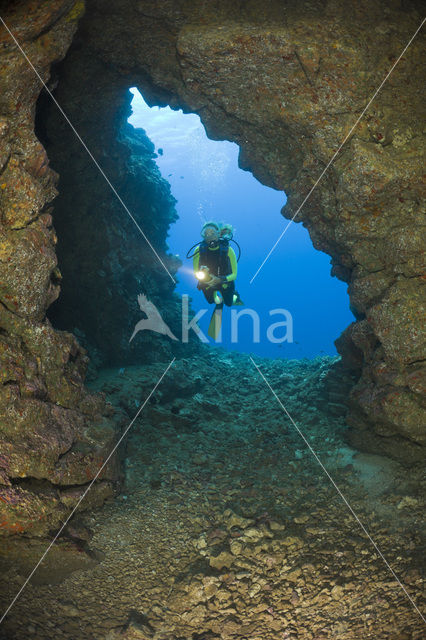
[{"x": 54, "y": 434}]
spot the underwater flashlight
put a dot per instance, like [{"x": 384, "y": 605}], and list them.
[{"x": 203, "y": 274}]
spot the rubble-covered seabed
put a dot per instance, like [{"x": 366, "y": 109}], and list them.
[{"x": 226, "y": 526}]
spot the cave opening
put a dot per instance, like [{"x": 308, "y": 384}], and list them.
[
  {"x": 177, "y": 179},
  {"x": 208, "y": 184}
]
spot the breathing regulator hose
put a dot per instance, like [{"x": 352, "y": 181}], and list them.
[{"x": 194, "y": 246}]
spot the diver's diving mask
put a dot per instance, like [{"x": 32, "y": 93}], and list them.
[{"x": 214, "y": 242}]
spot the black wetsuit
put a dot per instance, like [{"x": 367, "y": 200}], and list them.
[{"x": 221, "y": 261}]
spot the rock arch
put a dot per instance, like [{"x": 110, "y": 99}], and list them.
[{"x": 286, "y": 82}]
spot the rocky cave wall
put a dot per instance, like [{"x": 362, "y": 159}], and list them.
[
  {"x": 285, "y": 81},
  {"x": 54, "y": 434},
  {"x": 104, "y": 260}
]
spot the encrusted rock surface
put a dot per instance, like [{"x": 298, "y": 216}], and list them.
[{"x": 54, "y": 435}]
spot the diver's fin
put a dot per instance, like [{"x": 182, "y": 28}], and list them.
[{"x": 215, "y": 322}]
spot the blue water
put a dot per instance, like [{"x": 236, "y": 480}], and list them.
[{"x": 208, "y": 184}]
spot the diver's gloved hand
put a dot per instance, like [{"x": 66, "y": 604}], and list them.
[{"x": 214, "y": 282}]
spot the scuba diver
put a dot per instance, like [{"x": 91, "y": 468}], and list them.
[{"x": 215, "y": 267}]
